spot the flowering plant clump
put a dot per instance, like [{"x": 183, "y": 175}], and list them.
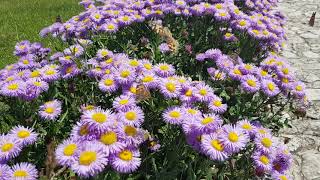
[{"x": 156, "y": 89}]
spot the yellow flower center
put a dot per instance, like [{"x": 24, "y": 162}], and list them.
[
  {"x": 148, "y": 66},
  {"x": 125, "y": 18},
  {"x": 20, "y": 174},
  {"x": 109, "y": 138},
  {"x": 125, "y": 73},
  {"x": 216, "y": 145},
  {"x": 233, "y": 137},
  {"x": 23, "y": 134},
  {"x": 251, "y": 83},
  {"x": 131, "y": 116},
  {"x": 104, "y": 53},
  {"x": 109, "y": 61},
  {"x": 192, "y": 111},
  {"x": 49, "y": 110},
  {"x": 13, "y": 86},
  {"x": 266, "y": 142},
  {"x": 242, "y": 23},
  {"x": 123, "y": 101},
  {"x": 228, "y": 35},
  {"x": 219, "y": 6},
  {"x": 35, "y": 73},
  {"x": 130, "y": 131},
  {"x": 217, "y": 103},
  {"x": 164, "y": 67},
  {"x": 207, "y": 120},
  {"x": 69, "y": 70},
  {"x": 223, "y": 14},
  {"x": 285, "y": 80},
  {"x": 10, "y": 79},
  {"x": 174, "y": 114},
  {"x": 285, "y": 71},
  {"x": 67, "y": 57},
  {"x": 133, "y": 90},
  {"x": 246, "y": 126},
  {"x": 257, "y": 32},
  {"x": 108, "y": 82},
  {"x": 97, "y": 16},
  {"x": 283, "y": 177},
  {"x": 271, "y": 86},
  {"x": 203, "y": 92},
  {"x": 50, "y": 72},
  {"x": 264, "y": 160},
  {"x": 248, "y": 67},
  {"x": 111, "y": 27},
  {"x": 134, "y": 62},
  {"x": 99, "y": 117},
  {"x": 171, "y": 86},
  {"x": 299, "y": 88},
  {"x": 147, "y": 79},
  {"x": 237, "y": 71},
  {"x": 107, "y": 71},
  {"x": 125, "y": 155},
  {"x": 188, "y": 92},
  {"x": 7, "y": 147},
  {"x": 37, "y": 83},
  {"x": 69, "y": 149},
  {"x": 25, "y": 61},
  {"x": 218, "y": 76},
  {"x": 87, "y": 157},
  {"x": 89, "y": 107},
  {"x": 263, "y": 73}
]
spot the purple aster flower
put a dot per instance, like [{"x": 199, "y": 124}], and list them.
[
  {"x": 132, "y": 117},
  {"x": 104, "y": 53},
  {"x": 218, "y": 75},
  {"x": 109, "y": 27},
  {"x": 265, "y": 143},
  {"x": 250, "y": 83},
  {"x": 216, "y": 105},
  {"x": 10, "y": 147},
  {"x": 4, "y": 171},
  {"x": 201, "y": 57},
  {"x": 112, "y": 141},
  {"x": 208, "y": 123},
  {"x": 98, "y": 119},
  {"x": 75, "y": 50},
  {"x": 194, "y": 139},
  {"x": 173, "y": 115},
  {"x": 262, "y": 161},
  {"x": 164, "y": 48},
  {"x": 125, "y": 75},
  {"x": 123, "y": 103},
  {"x": 12, "y": 88},
  {"x": 67, "y": 59},
  {"x": 269, "y": 87},
  {"x": 299, "y": 89},
  {"x": 229, "y": 37},
  {"x": 246, "y": 127},
  {"x": 222, "y": 15},
  {"x": 204, "y": 92},
  {"x": 50, "y": 74},
  {"x": 247, "y": 69},
  {"x": 132, "y": 135},
  {"x": 213, "y": 147},
  {"x": 23, "y": 171},
  {"x": 37, "y": 84},
  {"x": 233, "y": 138},
  {"x": 70, "y": 71},
  {"x": 126, "y": 161},
  {"x": 224, "y": 63},
  {"x": 23, "y": 135},
  {"x": 187, "y": 93},
  {"x": 65, "y": 153},
  {"x": 26, "y": 62},
  {"x": 90, "y": 160},
  {"x": 149, "y": 80},
  {"x": 108, "y": 84},
  {"x": 213, "y": 54},
  {"x": 50, "y": 110},
  {"x": 282, "y": 159},
  {"x": 170, "y": 88},
  {"x": 154, "y": 145},
  {"x": 164, "y": 70},
  {"x": 235, "y": 73},
  {"x": 81, "y": 132},
  {"x": 278, "y": 176}
]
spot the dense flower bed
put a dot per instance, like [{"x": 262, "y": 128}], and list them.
[{"x": 152, "y": 89}]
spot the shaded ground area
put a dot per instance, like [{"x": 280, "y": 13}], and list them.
[
  {"x": 303, "y": 52},
  {"x": 23, "y": 19}
]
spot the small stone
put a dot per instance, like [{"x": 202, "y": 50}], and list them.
[
  {"x": 310, "y": 54},
  {"x": 311, "y": 165},
  {"x": 289, "y": 54},
  {"x": 309, "y": 35}
]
